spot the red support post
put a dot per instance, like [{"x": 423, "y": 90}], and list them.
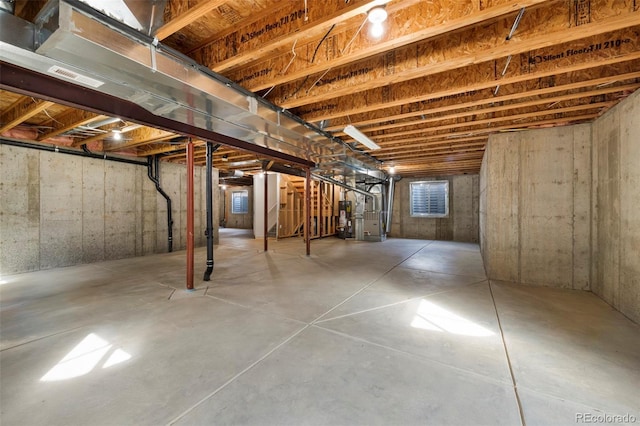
[
  {"x": 320, "y": 209},
  {"x": 190, "y": 214}
]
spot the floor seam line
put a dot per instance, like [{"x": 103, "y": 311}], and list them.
[
  {"x": 506, "y": 352},
  {"x": 44, "y": 337},
  {"x": 573, "y": 401},
  {"x": 238, "y": 375},
  {"x": 446, "y": 273},
  {"x": 401, "y": 302},
  {"x": 369, "y": 284},
  {"x": 413, "y": 355},
  {"x": 254, "y": 309}
]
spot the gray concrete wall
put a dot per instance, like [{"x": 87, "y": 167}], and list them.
[
  {"x": 616, "y": 225},
  {"x": 462, "y": 223},
  {"x": 240, "y": 221},
  {"x": 59, "y": 210},
  {"x": 482, "y": 205},
  {"x": 559, "y": 207},
  {"x": 535, "y": 207},
  {"x": 173, "y": 180}
]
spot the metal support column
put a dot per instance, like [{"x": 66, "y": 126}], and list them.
[
  {"x": 209, "y": 191},
  {"x": 190, "y": 214},
  {"x": 307, "y": 211},
  {"x": 266, "y": 211}
]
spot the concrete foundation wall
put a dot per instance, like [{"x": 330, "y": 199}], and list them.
[
  {"x": 616, "y": 226},
  {"x": 482, "y": 209},
  {"x": 559, "y": 207},
  {"x": 462, "y": 223},
  {"x": 60, "y": 210},
  {"x": 535, "y": 207},
  {"x": 240, "y": 221}
]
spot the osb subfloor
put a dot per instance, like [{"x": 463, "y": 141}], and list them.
[{"x": 404, "y": 332}]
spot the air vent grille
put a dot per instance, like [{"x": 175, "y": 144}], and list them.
[{"x": 74, "y": 76}]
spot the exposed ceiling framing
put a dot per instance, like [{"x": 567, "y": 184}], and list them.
[{"x": 429, "y": 92}]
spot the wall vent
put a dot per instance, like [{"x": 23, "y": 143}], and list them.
[{"x": 74, "y": 76}]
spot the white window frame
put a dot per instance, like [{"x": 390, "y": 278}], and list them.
[
  {"x": 436, "y": 184},
  {"x": 244, "y": 194}
]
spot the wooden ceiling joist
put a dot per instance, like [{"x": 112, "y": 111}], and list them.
[
  {"x": 420, "y": 21},
  {"x": 68, "y": 121},
  {"x": 161, "y": 149},
  {"x": 378, "y": 72},
  {"x": 456, "y": 83},
  {"x": 425, "y": 145},
  {"x": 481, "y": 124},
  {"x": 107, "y": 134},
  {"x": 484, "y": 130},
  {"x": 427, "y": 148},
  {"x": 278, "y": 30},
  {"x": 467, "y": 112},
  {"x": 22, "y": 110},
  {"x": 448, "y": 156},
  {"x": 430, "y": 91},
  {"x": 141, "y": 136},
  {"x": 453, "y": 156},
  {"x": 539, "y": 95},
  {"x": 181, "y": 21}
]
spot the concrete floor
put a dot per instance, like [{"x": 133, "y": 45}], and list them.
[{"x": 402, "y": 332}]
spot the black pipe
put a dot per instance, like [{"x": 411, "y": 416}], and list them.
[
  {"x": 155, "y": 179},
  {"x": 69, "y": 151},
  {"x": 86, "y": 153},
  {"x": 209, "y": 191}
]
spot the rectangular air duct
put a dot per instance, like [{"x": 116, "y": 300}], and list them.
[{"x": 129, "y": 65}]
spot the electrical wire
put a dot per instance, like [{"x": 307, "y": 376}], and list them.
[
  {"x": 46, "y": 112},
  {"x": 313, "y": 58},
  {"x": 516, "y": 22}
]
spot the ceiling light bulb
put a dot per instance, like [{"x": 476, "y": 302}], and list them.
[
  {"x": 376, "y": 30},
  {"x": 392, "y": 170},
  {"x": 117, "y": 135},
  {"x": 377, "y": 15}
]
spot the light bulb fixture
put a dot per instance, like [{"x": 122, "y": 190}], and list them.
[
  {"x": 376, "y": 30},
  {"x": 377, "y": 15},
  {"x": 392, "y": 170},
  {"x": 117, "y": 135},
  {"x": 223, "y": 187},
  {"x": 360, "y": 137}
]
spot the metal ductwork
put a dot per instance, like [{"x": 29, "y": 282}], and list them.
[
  {"x": 13, "y": 30},
  {"x": 143, "y": 16},
  {"x": 76, "y": 43},
  {"x": 7, "y": 6}
]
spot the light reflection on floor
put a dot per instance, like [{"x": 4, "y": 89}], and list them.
[
  {"x": 84, "y": 357},
  {"x": 430, "y": 316}
]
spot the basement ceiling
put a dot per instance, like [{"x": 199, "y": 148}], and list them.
[{"x": 442, "y": 78}]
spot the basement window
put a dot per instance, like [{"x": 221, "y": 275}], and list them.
[
  {"x": 240, "y": 202},
  {"x": 429, "y": 198}
]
